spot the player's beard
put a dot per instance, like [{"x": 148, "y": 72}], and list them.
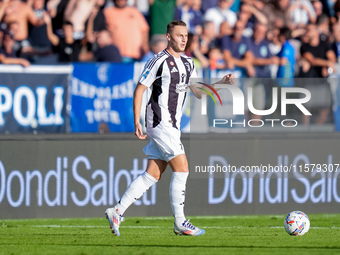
[
  {"x": 179, "y": 49},
  {"x": 177, "y": 46}
]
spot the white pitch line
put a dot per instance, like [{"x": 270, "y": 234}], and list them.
[
  {"x": 207, "y": 227},
  {"x": 193, "y": 217}
]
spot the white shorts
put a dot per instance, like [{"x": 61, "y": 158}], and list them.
[{"x": 165, "y": 143}]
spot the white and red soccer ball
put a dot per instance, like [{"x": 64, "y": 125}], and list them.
[{"x": 296, "y": 223}]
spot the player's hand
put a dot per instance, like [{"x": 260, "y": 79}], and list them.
[
  {"x": 139, "y": 131},
  {"x": 228, "y": 79}
]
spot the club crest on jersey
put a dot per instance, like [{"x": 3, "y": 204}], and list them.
[
  {"x": 188, "y": 66},
  {"x": 183, "y": 77},
  {"x": 172, "y": 63}
]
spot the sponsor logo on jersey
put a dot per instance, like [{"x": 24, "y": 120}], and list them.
[{"x": 181, "y": 88}]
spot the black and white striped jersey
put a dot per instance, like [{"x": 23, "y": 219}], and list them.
[{"x": 167, "y": 79}]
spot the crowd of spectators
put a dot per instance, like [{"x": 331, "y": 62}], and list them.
[
  {"x": 263, "y": 38},
  {"x": 255, "y": 35}
]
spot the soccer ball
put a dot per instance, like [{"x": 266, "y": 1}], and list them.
[{"x": 296, "y": 223}]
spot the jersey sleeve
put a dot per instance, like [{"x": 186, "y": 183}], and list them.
[
  {"x": 148, "y": 75},
  {"x": 193, "y": 74}
]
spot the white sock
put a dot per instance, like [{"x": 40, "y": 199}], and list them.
[
  {"x": 136, "y": 189},
  {"x": 177, "y": 195}
]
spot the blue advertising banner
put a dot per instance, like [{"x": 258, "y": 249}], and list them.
[
  {"x": 101, "y": 97},
  {"x": 33, "y": 100}
]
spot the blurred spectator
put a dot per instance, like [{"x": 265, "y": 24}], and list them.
[
  {"x": 15, "y": 11},
  {"x": 216, "y": 59},
  {"x": 77, "y": 12},
  {"x": 287, "y": 60},
  {"x": 329, "y": 7},
  {"x": 197, "y": 8},
  {"x": 52, "y": 6},
  {"x": 192, "y": 50},
  {"x": 336, "y": 43},
  {"x": 236, "y": 50},
  {"x": 323, "y": 27},
  {"x": 141, "y": 5},
  {"x": 2, "y": 32},
  {"x": 94, "y": 24},
  {"x": 321, "y": 60},
  {"x": 38, "y": 43},
  {"x": 193, "y": 18},
  {"x": 157, "y": 44},
  {"x": 161, "y": 14},
  {"x": 275, "y": 44},
  {"x": 18, "y": 45},
  {"x": 103, "y": 128},
  {"x": 129, "y": 30},
  {"x": 98, "y": 17},
  {"x": 277, "y": 13},
  {"x": 56, "y": 9},
  {"x": 263, "y": 58},
  {"x": 301, "y": 12},
  {"x": 262, "y": 61},
  {"x": 236, "y": 6},
  {"x": 7, "y": 55},
  {"x": 336, "y": 9},
  {"x": 207, "y": 40},
  {"x": 249, "y": 14},
  {"x": 207, "y": 4},
  {"x": 106, "y": 51},
  {"x": 225, "y": 29},
  {"x": 221, "y": 13},
  {"x": 318, "y": 8},
  {"x": 68, "y": 48},
  {"x": 318, "y": 53}
]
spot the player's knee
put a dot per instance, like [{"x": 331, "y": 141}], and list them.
[{"x": 157, "y": 176}]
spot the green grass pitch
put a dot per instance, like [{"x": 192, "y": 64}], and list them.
[{"x": 255, "y": 234}]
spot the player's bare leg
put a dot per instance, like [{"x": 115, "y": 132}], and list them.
[
  {"x": 177, "y": 189},
  {"x": 136, "y": 189},
  {"x": 156, "y": 168}
]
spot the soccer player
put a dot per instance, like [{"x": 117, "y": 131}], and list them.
[{"x": 166, "y": 76}]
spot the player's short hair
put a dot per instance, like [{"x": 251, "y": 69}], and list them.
[{"x": 174, "y": 23}]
